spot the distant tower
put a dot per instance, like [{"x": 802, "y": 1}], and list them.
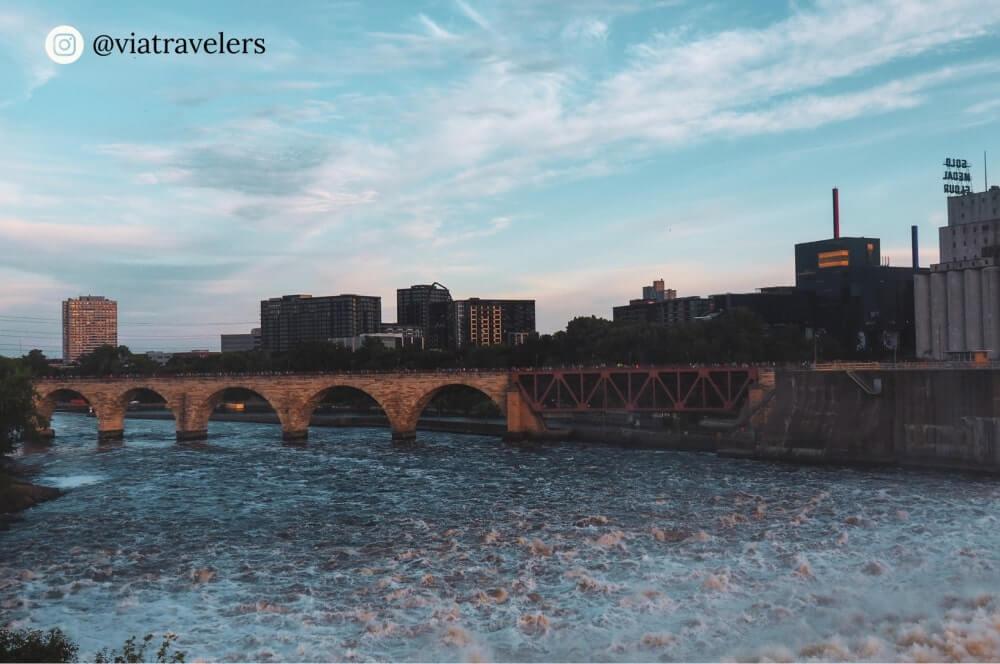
[{"x": 88, "y": 322}]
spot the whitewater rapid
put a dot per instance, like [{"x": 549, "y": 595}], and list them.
[{"x": 463, "y": 548}]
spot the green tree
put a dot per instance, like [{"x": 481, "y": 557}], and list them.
[
  {"x": 37, "y": 363},
  {"x": 18, "y": 418}
]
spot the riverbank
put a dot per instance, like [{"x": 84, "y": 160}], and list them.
[{"x": 17, "y": 494}]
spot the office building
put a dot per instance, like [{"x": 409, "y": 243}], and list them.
[
  {"x": 958, "y": 303},
  {"x": 241, "y": 343},
  {"x": 479, "y": 322},
  {"x": 88, "y": 322},
  {"x": 294, "y": 319},
  {"x": 422, "y": 305}
]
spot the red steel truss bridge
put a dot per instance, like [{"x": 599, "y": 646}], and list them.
[{"x": 638, "y": 389}]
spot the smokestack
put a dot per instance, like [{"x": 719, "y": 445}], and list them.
[
  {"x": 916, "y": 248},
  {"x": 836, "y": 213}
]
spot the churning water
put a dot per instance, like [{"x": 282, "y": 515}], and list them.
[{"x": 463, "y": 548}]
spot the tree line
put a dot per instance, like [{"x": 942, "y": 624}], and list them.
[{"x": 734, "y": 337}]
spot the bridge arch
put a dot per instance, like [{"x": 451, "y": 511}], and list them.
[
  {"x": 120, "y": 405},
  {"x": 302, "y": 413},
  {"x": 101, "y": 405},
  {"x": 200, "y": 410},
  {"x": 406, "y": 427}
]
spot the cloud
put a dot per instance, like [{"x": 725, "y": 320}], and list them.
[
  {"x": 586, "y": 30},
  {"x": 435, "y": 30},
  {"x": 49, "y": 237},
  {"x": 473, "y": 15},
  {"x": 987, "y": 106},
  {"x": 470, "y": 110},
  {"x": 22, "y": 38}
]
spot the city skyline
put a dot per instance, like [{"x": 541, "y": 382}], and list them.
[{"x": 506, "y": 150}]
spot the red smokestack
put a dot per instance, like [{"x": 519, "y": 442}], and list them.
[{"x": 836, "y": 213}]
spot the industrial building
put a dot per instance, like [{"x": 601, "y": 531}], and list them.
[
  {"x": 775, "y": 305},
  {"x": 958, "y": 304},
  {"x": 88, "y": 322},
  {"x": 842, "y": 292},
  {"x": 854, "y": 298},
  {"x": 294, "y": 319}
]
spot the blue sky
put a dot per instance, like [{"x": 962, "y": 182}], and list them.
[{"x": 569, "y": 152}]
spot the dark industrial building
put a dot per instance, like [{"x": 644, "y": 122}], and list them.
[
  {"x": 478, "y": 322},
  {"x": 293, "y": 319},
  {"x": 775, "y": 305},
  {"x": 426, "y": 307},
  {"x": 842, "y": 292},
  {"x": 866, "y": 306}
]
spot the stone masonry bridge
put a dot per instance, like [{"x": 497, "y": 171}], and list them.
[{"x": 294, "y": 397}]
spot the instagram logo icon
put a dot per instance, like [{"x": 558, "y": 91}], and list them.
[{"x": 64, "y": 44}]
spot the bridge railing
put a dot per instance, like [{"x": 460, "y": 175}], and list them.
[
  {"x": 371, "y": 372},
  {"x": 706, "y": 389}
]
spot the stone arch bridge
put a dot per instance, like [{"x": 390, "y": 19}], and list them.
[
  {"x": 193, "y": 399},
  {"x": 522, "y": 396}
]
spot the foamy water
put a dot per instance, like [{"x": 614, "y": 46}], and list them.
[{"x": 465, "y": 549}]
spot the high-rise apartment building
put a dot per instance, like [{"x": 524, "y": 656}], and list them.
[
  {"x": 658, "y": 292},
  {"x": 422, "y": 306},
  {"x": 88, "y": 322},
  {"x": 294, "y": 319},
  {"x": 478, "y": 322}
]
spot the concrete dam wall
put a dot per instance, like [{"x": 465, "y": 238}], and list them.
[{"x": 944, "y": 418}]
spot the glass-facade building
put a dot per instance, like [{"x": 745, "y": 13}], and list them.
[{"x": 294, "y": 319}]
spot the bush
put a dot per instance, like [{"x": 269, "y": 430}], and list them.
[
  {"x": 32, "y": 645},
  {"x": 133, "y": 653}
]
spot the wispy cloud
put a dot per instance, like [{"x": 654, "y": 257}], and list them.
[
  {"x": 473, "y": 15},
  {"x": 21, "y": 38}
]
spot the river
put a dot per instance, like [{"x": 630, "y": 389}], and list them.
[{"x": 463, "y": 548}]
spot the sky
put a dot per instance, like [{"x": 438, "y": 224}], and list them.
[{"x": 568, "y": 152}]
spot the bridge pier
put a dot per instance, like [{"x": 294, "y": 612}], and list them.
[
  {"x": 522, "y": 421},
  {"x": 110, "y": 435},
  {"x": 295, "y": 436},
  {"x": 404, "y": 438},
  {"x": 43, "y": 435},
  {"x": 192, "y": 435}
]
